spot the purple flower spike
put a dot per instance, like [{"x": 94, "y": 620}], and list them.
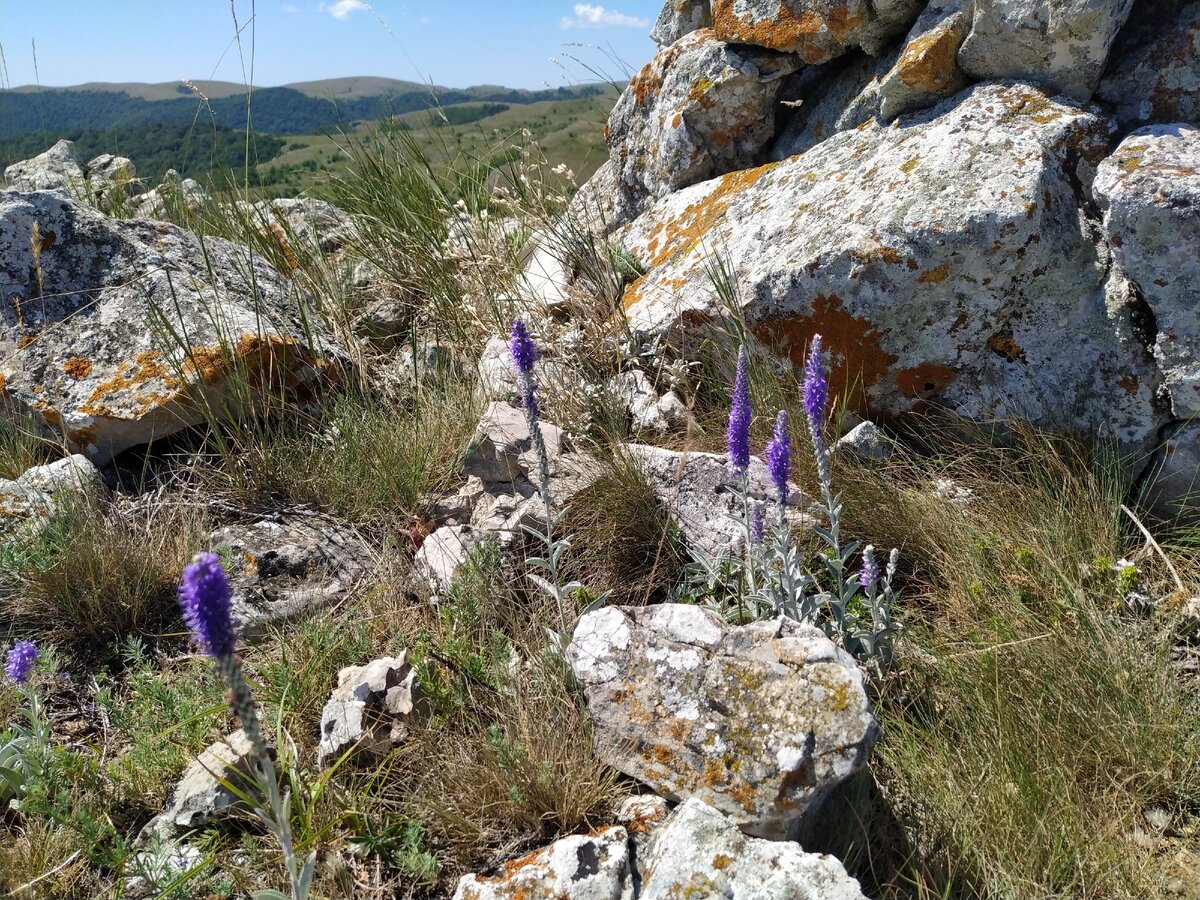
[
  {"x": 524, "y": 350},
  {"x": 737, "y": 438},
  {"x": 869, "y": 573},
  {"x": 758, "y": 526},
  {"x": 779, "y": 456},
  {"x": 204, "y": 597},
  {"x": 816, "y": 389},
  {"x": 20, "y": 659}
]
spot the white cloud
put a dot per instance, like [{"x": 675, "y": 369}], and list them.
[
  {"x": 342, "y": 8},
  {"x": 588, "y": 15}
]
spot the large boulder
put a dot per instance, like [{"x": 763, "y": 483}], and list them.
[
  {"x": 118, "y": 332},
  {"x": 1154, "y": 70},
  {"x": 815, "y": 30},
  {"x": 1062, "y": 45},
  {"x": 943, "y": 259},
  {"x": 700, "y": 108},
  {"x": 698, "y": 852},
  {"x": 759, "y": 721},
  {"x": 57, "y": 169},
  {"x": 1149, "y": 190}
]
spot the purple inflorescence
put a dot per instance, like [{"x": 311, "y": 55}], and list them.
[
  {"x": 779, "y": 456},
  {"x": 205, "y": 598},
  {"x": 869, "y": 573},
  {"x": 737, "y": 437},
  {"x": 20, "y": 659},
  {"x": 524, "y": 350},
  {"x": 758, "y": 526},
  {"x": 816, "y": 388}
]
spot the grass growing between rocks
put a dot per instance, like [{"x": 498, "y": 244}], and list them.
[{"x": 22, "y": 446}]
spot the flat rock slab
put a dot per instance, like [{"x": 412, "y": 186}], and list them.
[
  {"x": 116, "y": 332},
  {"x": 758, "y": 721}
]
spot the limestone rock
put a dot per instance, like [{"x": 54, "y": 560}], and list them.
[
  {"x": 927, "y": 68},
  {"x": 865, "y": 441},
  {"x": 57, "y": 169},
  {"x": 758, "y": 721},
  {"x": 697, "y": 490},
  {"x": 1062, "y": 45},
  {"x": 1149, "y": 190},
  {"x": 580, "y": 867},
  {"x": 28, "y": 502},
  {"x": 815, "y": 30},
  {"x": 1173, "y": 478},
  {"x": 699, "y": 853},
  {"x": 700, "y": 108},
  {"x": 678, "y": 18},
  {"x": 175, "y": 196},
  {"x": 110, "y": 181},
  {"x": 443, "y": 553},
  {"x": 943, "y": 258},
  {"x": 200, "y": 798},
  {"x": 648, "y": 411},
  {"x": 288, "y": 566},
  {"x": 111, "y": 329},
  {"x": 370, "y": 710},
  {"x": 503, "y": 447},
  {"x": 74, "y": 474},
  {"x": 306, "y": 221},
  {"x": 1154, "y": 69}
]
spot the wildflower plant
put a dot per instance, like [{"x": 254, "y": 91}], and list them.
[
  {"x": 205, "y": 597},
  {"x": 25, "y": 748},
  {"x": 524, "y": 354}
]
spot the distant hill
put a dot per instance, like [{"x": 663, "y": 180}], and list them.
[{"x": 303, "y": 108}]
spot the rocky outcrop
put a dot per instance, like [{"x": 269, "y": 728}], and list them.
[
  {"x": 57, "y": 169},
  {"x": 927, "y": 69},
  {"x": 943, "y": 260},
  {"x": 680, "y": 17},
  {"x": 758, "y": 721},
  {"x": 1062, "y": 45},
  {"x": 1154, "y": 72},
  {"x": 118, "y": 332},
  {"x": 701, "y": 108},
  {"x": 1149, "y": 190}
]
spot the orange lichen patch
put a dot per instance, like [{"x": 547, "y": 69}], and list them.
[
  {"x": 930, "y": 62},
  {"x": 643, "y": 822},
  {"x": 130, "y": 386},
  {"x": 1005, "y": 345},
  {"x": 879, "y": 253},
  {"x": 808, "y": 34},
  {"x": 25, "y": 340},
  {"x": 743, "y": 794},
  {"x": 52, "y": 416},
  {"x": 925, "y": 379},
  {"x": 934, "y": 275},
  {"x": 678, "y": 729},
  {"x": 77, "y": 367},
  {"x": 3, "y": 382},
  {"x": 648, "y": 81},
  {"x": 289, "y": 263},
  {"x": 714, "y": 774},
  {"x": 722, "y": 861},
  {"x": 661, "y": 755},
  {"x": 858, "y": 360}
]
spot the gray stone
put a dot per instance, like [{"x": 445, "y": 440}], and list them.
[
  {"x": 28, "y": 502},
  {"x": 815, "y": 30},
  {"x": 699, "y": 853},
  {"x": 117, "y": 332},
  {"x": 648, "y": 411},
  {"x": 1149, "y": 190},
  {"x": 503, "y": 447},
  {"x": 1062, "y": 45},
  {"x": 1154, "y": 70},
  {"x": 866, "y": 441},
  {"x": 579, "y": 867},
  {"x": 943, "y": 259},
  {"x": 759, "y": 721},
  {"x": 443, "y": 553},
  {"x": 57, "y": 169},
  {"x": 200, "y": 798},
  {"x": 700, "y": 108},
  {"x": 370, "y": 711},
  {"x": 927, "y": 69},
  {"x": 110, "y": 181},
  {"x": 1172, "y": 491},
  {"x": 176, "y": 196},
  {"x": 680, "y": 17}
]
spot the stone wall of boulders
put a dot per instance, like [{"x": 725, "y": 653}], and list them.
[{"x": 986, "y": 207}]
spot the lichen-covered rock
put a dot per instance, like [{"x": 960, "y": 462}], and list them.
[
  {"x": 758, "y": 721},
  {"x": 943, "y": 258},
  {"x": 815, "y": 30},
  {"x": 927, "y": 68},
  {"x": 370, "y": 710},
  {"x": 680, "y": 17},
  {"x": 203, "y": 793},
  {"x": 175, "y": 196},
  {"x": 1062, "y": 45},
  {"x": 1154, "y": 69},
  {"x": 112, "y": 330},
  {"x": 838, "y": 96},
  {"x": 698, "y": 852},
  {"x": 57, "y": 169},
  {"x": 443, "y": 553},
  {"x": 648, "y": 410},
  {"x": 700, "y": 108},
  {"x": 28, "y": 501},
  {"x": 288, "y": 566},
  {"x": 110, "y": 181},
  {"x": 306, "y": 221},
  {"x": 580, "y": 867},
  {"x": 1149, "y": 190},
  {"x": 698, "y": 492}
]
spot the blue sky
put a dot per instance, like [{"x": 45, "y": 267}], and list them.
[{"x": 451, "y": 42}]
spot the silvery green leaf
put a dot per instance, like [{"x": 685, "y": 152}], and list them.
[
  {"x": 543, "y": 584},
  {"x": 306, "y": 874},
  {"x": 269, "y": 894}
]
